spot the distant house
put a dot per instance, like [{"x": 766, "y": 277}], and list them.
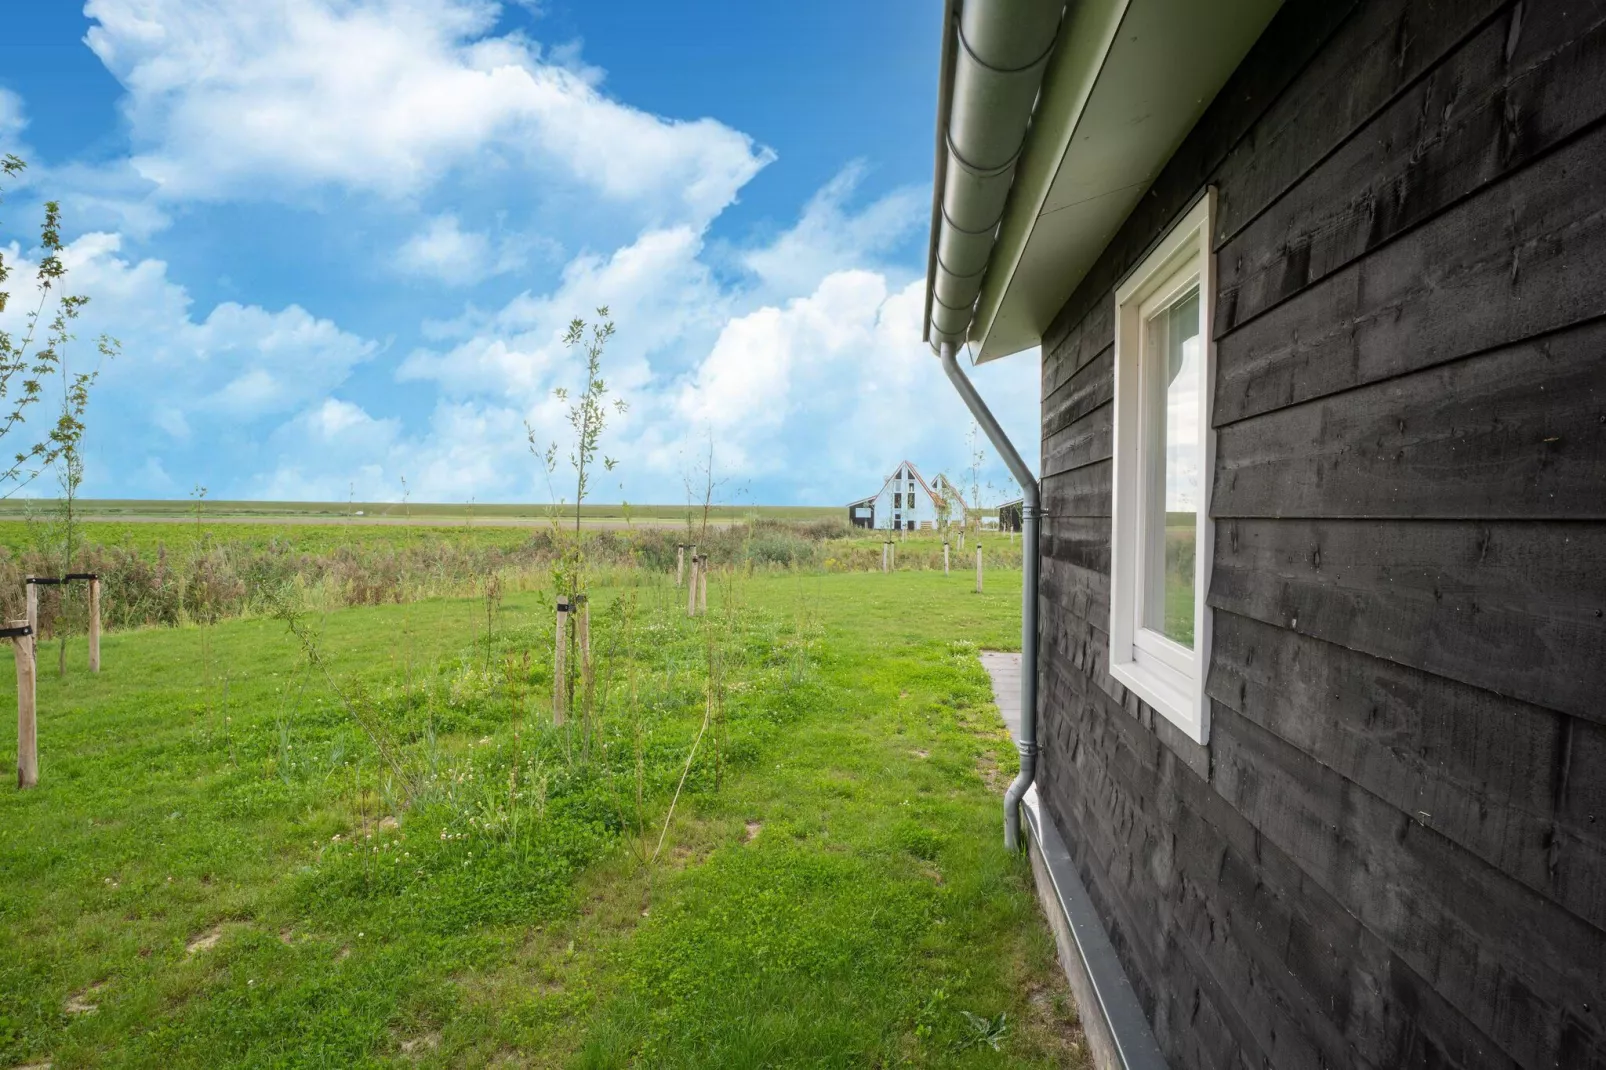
[
  {"x": 1009, "y": 515},
  {"x": 905, "y": 502}
]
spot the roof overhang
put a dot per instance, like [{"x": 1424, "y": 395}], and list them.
[{"x": 1126, "y": 83}]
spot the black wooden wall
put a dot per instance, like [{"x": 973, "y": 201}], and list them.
[{"x": 1392, "y": 852}]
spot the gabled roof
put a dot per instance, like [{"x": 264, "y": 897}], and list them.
[{"x": 900, "y": 466}]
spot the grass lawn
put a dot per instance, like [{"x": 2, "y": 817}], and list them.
[{"x": 220, "y": 867}]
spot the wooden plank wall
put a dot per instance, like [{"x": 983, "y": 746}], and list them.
[{"x": 1392, "y": 852}]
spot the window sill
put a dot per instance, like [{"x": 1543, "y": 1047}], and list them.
[{"x": 1183, "y": 707}]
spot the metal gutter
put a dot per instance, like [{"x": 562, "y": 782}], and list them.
[
  {"x": 1088, "y": 31},
  {"x": 945, "y": 92},
  {"x": 994, "y": 55}
]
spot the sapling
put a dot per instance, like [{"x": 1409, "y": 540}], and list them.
[
  {"x": 26, "y": 362},
  {"x": 588, "y": 415}
]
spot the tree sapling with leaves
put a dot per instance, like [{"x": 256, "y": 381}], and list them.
[{"x": 588, "y": 417}]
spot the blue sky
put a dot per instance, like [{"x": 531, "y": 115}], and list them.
[{"x": 340, "y": 239}]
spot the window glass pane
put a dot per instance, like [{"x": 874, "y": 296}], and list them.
[{"x": 1171, "y": 375}]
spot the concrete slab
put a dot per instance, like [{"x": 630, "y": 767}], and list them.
[{"x": 1004, "y": 668}]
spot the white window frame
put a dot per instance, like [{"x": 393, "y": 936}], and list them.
[{"x": 1161, "y": 672}]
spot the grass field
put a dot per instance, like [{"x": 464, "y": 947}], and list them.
[
  {"x": 220, "y": 867},
  {"x": 420, "y": 513}
]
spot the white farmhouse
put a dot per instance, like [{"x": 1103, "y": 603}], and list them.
[{"x": 905, "y": 502}]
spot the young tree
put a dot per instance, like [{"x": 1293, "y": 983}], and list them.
[
  {"x": 66, "y": 441},
  {"x": 978, "y": 457},
  {"x": 27, "y": 362},
  {"x": 588, "y": 417}
]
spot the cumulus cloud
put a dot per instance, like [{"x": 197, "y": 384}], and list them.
[
  {"x": 656, "y": 285},
  {"x": 13, "y": 119},
  {"x": 183, "y": 380},
  {"x": 830, "y": 236},
  {"x": 811, "y": 378},
  {"x": 465, "y": 452},
  {"x": 834, "y": 388},
  {"x": 388, "y": 96},
  {"x": 443, "y": 251}
]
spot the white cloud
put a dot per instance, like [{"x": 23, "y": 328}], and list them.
[
  {"x": 13, "y": 120},
  {"x": 444, "y": 252},
  {"x": 467, "y": 451},
  {"x": 189, "y": 377},
  {"x": 655, "y": 288},
  {"x": 829, "y": 237},
  {"x": 837, "y": 387},
  {"x": 388, "y": 96},
  {"x": 816, "y": 392}
]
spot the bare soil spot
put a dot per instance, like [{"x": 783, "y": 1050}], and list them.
[
  {"x": 753, "y": 829},
  {"x": 987, "y": 766},
  {"x": 83, "y": 1002},
  {"x": 1052, "y": 1015},
  {"x": 417, "y": 1047},
  {"x": 918, "y": 753},
  {"x": 204, "y": 942}
]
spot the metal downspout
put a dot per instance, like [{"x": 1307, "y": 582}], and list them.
[{"x": 1031, "y": 510}]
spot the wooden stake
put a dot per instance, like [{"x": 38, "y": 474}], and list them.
[
  {"x": 691, "y": 588},
  {"x": 702, "y": 587},
  {"x": 583, "y": 630},
  {"x": 945, "y": 558},
  {"x": 27, "y": 722},
  {"x": 560, "y": 674},
  {"x": 33, "y": 611},
  {"x": 94, "y": 625},
  {"x": 892, "y": 554},
  {"x": 680, "y": 563},
  {"x": 978, "y": 568}
]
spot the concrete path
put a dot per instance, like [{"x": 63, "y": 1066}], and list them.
[{"x": 1005, "y": 671}]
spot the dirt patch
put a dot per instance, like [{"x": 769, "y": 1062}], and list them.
[
  {"x": 368, "y": 826},
  {"x": 753, "y": 829},
  {"x": 921, "y": 753},
  {"x": 204, "y": 942},
  {"x": 1051, "y": 1014},
  {"x": 83, "y": 1002},
  {"x": 418, "y": 1047},
  {"x": 987, "y": 767}
]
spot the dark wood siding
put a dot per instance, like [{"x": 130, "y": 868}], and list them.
[{"x": 1392, "y": 851}]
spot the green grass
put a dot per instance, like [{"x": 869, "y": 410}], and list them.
[
  {"x": 211, "y": 868},
  {"x": 178, "y": 509},
  {"x": 178, "y": 536}
]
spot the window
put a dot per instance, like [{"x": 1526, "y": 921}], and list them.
[
  {"x": 911, "y": 499},
  {"x": 897, "y": 501},
  {"x": 1161, "y": 543}
]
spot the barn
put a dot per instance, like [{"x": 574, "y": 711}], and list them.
[
  {"x": 1314, "y": 623},
  {"x": 905, "y": 502}
]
